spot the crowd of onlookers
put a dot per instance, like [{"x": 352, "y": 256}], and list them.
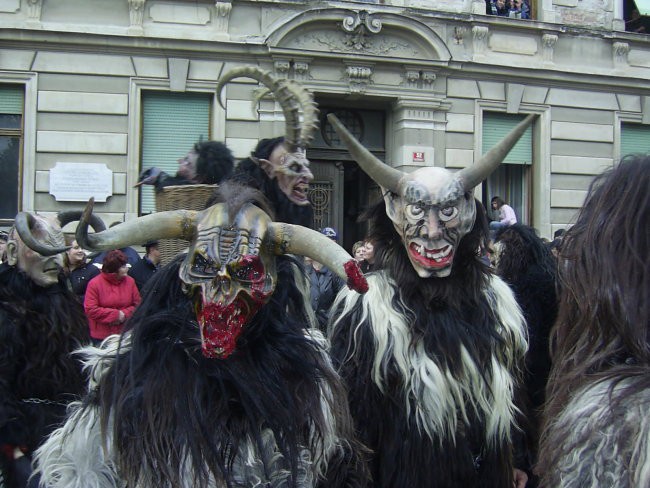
[{"x": 515, "y": 9}]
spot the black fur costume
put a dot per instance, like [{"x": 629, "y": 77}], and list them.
[
  {"x": 39, "y": 328},
  {"x": 261, "y": 417},
  {"x": 399, "y": 345}
]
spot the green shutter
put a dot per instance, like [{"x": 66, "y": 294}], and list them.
[
  {"x": 496, "y": 126},
  {"x": 172, "y": 123},
  {"x": 635, "y": 138},
  {"x": 11, "y": 99}
]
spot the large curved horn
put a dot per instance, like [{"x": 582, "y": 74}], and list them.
[
  {"x": 24, "y": 223},
  {"x": 296, "y": 239},
  {"x": 383, "y": 174},
  {"x": 179, "y": 224},
  {"x": 68, "y": 216},
  {"x": 283, "y": 95},
  {"x": 309, "y": 113},
  {"x": 473, "y": 175}
]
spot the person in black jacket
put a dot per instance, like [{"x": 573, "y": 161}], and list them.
[
  {"x": 78, "y": 270},
  {"x": 144, "y": 269}
]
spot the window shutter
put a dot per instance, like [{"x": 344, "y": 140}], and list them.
[
  {"x": 11, "y": 100},
  {"x": 496, "y": 126},
  {"x": 635, "y": 138},
  {"x": 172, "y": 123}
]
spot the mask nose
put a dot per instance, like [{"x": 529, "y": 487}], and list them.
[
  {"x": 222, "y": 283},
  {"x": 431, "y": 228}
]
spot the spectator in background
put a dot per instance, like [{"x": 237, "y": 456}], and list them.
[
  {"x": 207, "y": 163},
  {"x": 144, "y": 269},
  {"x": 324, "y": 285},
  {"x": 357, "y": 251},
  {"x": 111, "y": 298},
  {"x": 3, "y": 246},
  {"x": 78, "y": 270},
  {"x": 497, "y": 7},
  {"x": 368, "y": 255},
  {"x": 506, "y": 216}
]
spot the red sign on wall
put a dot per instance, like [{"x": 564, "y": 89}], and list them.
[{"x": 418, "y": 156}]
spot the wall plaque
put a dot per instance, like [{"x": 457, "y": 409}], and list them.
[{"x": 77, "y": 182}]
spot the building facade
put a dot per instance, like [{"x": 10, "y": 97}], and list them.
[{"x": 93, "y": 91}]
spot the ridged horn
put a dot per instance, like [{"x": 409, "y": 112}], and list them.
[
  {"x": 68, "y": 216},
  {"x": 473, "y": 175},
  {"x": 296, "y": 239},
  {"x": 309, "y": 113},
  {"x": 24, "y": 223},
  {"x": 383, "y": 174},
  {"x": 179, "y": 224},
  {"x": 284, "y": 96}
]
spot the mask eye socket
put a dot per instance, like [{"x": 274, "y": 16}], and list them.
[
  {"x": 203, "y": 266},
  {"x": 447, "y": 213},
  {"x": 248, "y": 269},
  {"x": 415, "y": 211}
]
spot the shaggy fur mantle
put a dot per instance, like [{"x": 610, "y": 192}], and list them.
[
  {"x": 159, "y": 414},
  {"x": 602, "y": 437},
  {"x": 435, "y": 406}
]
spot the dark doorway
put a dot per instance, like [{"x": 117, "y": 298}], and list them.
[{"x": 341, "y": 191}]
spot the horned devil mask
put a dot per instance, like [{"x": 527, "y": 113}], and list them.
[
  {"x": 230, "y": 270},
  {"x": 288, "y": 163},
  {"x": 431, "y": 208}
]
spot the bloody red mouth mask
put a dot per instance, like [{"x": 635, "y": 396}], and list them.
[{"x": 229, "y": 274}]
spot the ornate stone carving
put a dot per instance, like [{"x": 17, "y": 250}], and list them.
[
  {"x": 281, "y": 67},
  {"x": 548, "y": 47},
  {"x": 358, "y": 27},
  {"x": 620, "y": 51},
  {"x": 459, "y": 34},
  {"x": 301, "y": 70},
  {"x": 34, "y": 8},
  {"x": 358, "y": 77},
  {"x": 222, "y": 16},
  {"x": 136, "y": 12},
  {"x": 480, "y": 36},
  {"x": 428, "y": 77}
]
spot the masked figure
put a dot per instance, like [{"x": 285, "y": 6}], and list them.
[
  {"x": 218, "y": 380},
  {"x": 41, "y": 323},
  {"x": 279, "y": 167},
  {"x": 430, "y": 354},
  {"x": 596, "y": 425}
]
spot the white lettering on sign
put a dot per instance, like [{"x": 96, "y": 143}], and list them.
[
  {"x": 77, "y": 182},
  {"x": 418, "y": 156}
]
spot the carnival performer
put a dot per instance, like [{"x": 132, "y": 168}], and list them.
[
  {"x": 597, "y": 428},
  {"x": 41, "y": 323},
  {"x": 279, "y": 167},
  {"x": 219, "y": 379},
  {"x": 431, "y": 353},
  {"x": 527, "y": 265}
]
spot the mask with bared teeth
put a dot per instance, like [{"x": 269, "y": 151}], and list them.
[{"x": 431, "y": 208}]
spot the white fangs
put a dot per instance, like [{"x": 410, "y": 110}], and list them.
[{"x": 437, "y": 256}]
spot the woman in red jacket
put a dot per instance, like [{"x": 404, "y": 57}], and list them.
[{"x": 111, "y": 298}]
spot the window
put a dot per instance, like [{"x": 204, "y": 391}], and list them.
[
  {"x": 12, "y": 100},
  {"x": 512, "y": 180},
  {"x": 635, "y": 138},
  {"x": 171, "y": 124}
]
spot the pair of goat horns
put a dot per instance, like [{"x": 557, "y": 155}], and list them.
[{"x": 389, "y": 177}]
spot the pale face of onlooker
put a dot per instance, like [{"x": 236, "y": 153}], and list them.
[
  {"x": 359, "y": 254},
  {"x": 154, "y": 254},
  {"x": 369, "y": 252},
  {"x": 123, "y": 271},
  {"x": 76, "y": 254}
]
